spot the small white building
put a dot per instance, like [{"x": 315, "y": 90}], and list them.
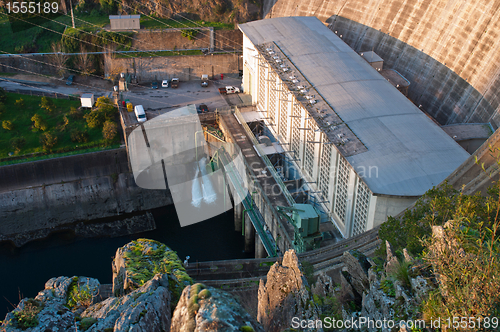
[
  {"x": 87, "y": 100},
  {"x": 125, "y": 22}
]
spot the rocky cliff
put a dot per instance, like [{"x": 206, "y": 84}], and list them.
[{"x": 285, "y": 295}]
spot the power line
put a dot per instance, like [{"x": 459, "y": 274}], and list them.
[{"x": 77, "y": 39}]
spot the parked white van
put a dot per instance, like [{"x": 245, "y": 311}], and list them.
[{"x": 139, "y": 113}]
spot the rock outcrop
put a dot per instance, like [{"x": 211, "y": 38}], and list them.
[
  {"x": 51, "y": 310},
  {"x": 203, "y": 309},
  {"x": 138, "y": 261},
  {"x": 285, "y": 295},
  {"x": 145, "y": 309},
  {"x": 385, "y": 292}
]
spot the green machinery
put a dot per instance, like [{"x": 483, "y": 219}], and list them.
[{"x": 305, "y": 220}]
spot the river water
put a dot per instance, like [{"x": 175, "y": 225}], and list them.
[{"x": 25, "y": 270}]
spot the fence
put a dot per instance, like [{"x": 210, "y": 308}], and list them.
[{"x": 44, "y": 94}]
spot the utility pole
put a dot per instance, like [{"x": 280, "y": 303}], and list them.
[{"x": 72, "y": 16}]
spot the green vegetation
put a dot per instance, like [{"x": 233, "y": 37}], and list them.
[
  {"x": 464, "y": 260},
  {"x": 145, "y": 258},
  {"x": 79, "y": 295},
  {"x": 435, "y": 207},
  {"x": 87, "y": 322},
  {"x": 28, "y": 316},
  {"x": 246, "y": 328},
  {"x": 51, "y": 125},
  {"x": 189, "y": 34}
]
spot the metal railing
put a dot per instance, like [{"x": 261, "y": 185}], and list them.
[
  {"x": 264, "y": 157},
  {"x": 247, "y": 201}
]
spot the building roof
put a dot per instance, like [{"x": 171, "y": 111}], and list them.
[
  {"x": 410, "y": 152},
  {"x": 118, "y": 17}
]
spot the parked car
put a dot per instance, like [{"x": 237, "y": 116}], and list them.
[
  {"x": 154, "y": 85},
  {"x": 204, "y": 81},
  {"x": 174, "y": 83},
  {"x": 228, "y": 90},
  {"x": 164, "y": 84},
  {"x": 202, "y": 108},
  {"x": 70, "y": 79}
]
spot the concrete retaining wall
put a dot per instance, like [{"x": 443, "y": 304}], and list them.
[
  {"x": 447, "y": 49},
  {"x": 49, "y": 194},
  {"x": 183, "y": 67}
]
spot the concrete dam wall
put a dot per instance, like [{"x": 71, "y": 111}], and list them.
[
  {"x": 41, "y": 197},
  {"x": 447, "y": 49}
]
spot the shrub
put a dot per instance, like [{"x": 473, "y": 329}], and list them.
[
  {"x": 47, "y": 104},
  {"x": 79, "y": 136},
  {"x": 190, "y": 33},
  {"x": 7, "y": 125},
  {"x": 2, "y": 108},
  {"x": 94, "y": 119},
  {"x": 39, "y": 122},
  {"x": 28, "y": 316},
  {"x": 48, "y": 141},
  {"x": 17, "y": 143},
  {"x": 109, "y": 130},
  {"x": 79, "y": 295},
  {"x": 106, "y": 106},
  {"x": 19, "y": 103}
]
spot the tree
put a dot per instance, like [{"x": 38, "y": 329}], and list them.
[
  {"x": 84, "y": 62},
  {"x": 59, "y": 58},
  {"x": 48, "y": 141},
  {"x": 105, "y": 105},
  {"x": 19, "y": 103},
  {"x": 39, "y": 122},
  {"x": 7, "y": 125},
  {"x": 94, "y": 119},
  {"x": 47, "y": 104},
  {"x": 109, "y": 130}
]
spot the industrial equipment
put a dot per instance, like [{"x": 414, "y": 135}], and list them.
[{"x": 305, "y": 220}]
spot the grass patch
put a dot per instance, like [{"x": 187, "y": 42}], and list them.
[
  {"x": 8, "y": 74},
  {"x": 58, "y": 122}
]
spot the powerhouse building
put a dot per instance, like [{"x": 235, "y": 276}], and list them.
[{"x": 360, "y": 144}]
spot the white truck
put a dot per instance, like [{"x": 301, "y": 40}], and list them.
[
  {"x": 139, "y": 113},
  {"x": 229, "y": 90}
]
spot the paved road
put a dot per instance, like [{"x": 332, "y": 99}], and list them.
[
  {"x": 162, "y": 100},
  {"x": 155, "y": 102}
]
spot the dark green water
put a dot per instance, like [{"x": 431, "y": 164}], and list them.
[{"x": 25, "y": 270}]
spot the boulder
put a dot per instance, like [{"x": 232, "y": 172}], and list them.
[
  {"x": 147, "y": 309},
  {"x": 139, "y": 261},
  {"x": 356, "y": 265},
  {"x": 284, "y": 295},
  {"x": 203, "y": 309}
]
